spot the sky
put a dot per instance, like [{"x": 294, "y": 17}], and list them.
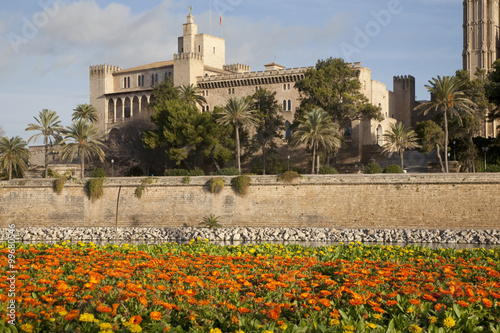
[{"x": 47, "y": 46}]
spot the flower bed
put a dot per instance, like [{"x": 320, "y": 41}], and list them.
[{"x": 200, "y": 287}]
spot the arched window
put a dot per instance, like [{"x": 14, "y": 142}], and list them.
[
  {"x": 289, "y": 105},
  {"x": 284, "y": 105},
  {"x": 124, "y": 82},
  {"x": 288, "y": 131}
]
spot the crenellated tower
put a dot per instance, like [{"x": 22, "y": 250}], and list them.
[
  {"x": 404, "y": 93},
  {"x": 481, "y": 34},
  {"x": 101, "y": 83}
]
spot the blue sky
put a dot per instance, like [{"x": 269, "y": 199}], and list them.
[{"x": 47, "y": 46}]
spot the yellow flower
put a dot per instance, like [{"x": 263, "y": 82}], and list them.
[
  {"x": 215, "y": 330},
  {"x": 134, "y": 328},
  {"x": 410, "y": 310},
  {"x": 371, "y": 325},
  {"x": 415, "y": 329},
  {"x": 433, "y": 319},
  {"x": 105, "y": 326},
  {"x": 63, "y": 313},
  {"x": 266, "y": 331},
  {"x": 334, "y": 322},
  {"x": 27, "y": 328},
  {"x": 377, "y": 316},
  {"x": 87, "y": 317},
  {"x": 283, "y": 327},
  {"x": 449, "y": 322},
  {"x": 239, "y": 331},
  {"x": 106, "y": 331}
]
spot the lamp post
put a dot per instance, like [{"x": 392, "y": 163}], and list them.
[
  {"x": 112, "y": 168},
  {"x": 454, "y": 151},
  {"x": 288, "y": 162},
  {"x": 485, "y": 149}
]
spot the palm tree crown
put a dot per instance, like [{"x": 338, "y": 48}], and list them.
[
  {"x": 49, "y": 127},
  {"x": 317, "y": 130},
  {"x": 398, "y": 139},
  {"x": 13, "y": 155},
  {"x": 192, "y": 94},
  {"x": 82, "y": 138},
  {"x": 237, "y": 112},
  {"x": 447, "y": 98},
  {"x": 86, "y": 112}
]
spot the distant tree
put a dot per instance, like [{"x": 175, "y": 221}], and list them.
[
  {"x": 448, "y": 99},
  {"x": 317, "y": 131},
  {"x": 13, "y": 155},
  {"x": 431, "y": 137},
  {"x": 334, "y": 86},
  {"x": 82, "y": 139},
  {"x": 192, "y": 94},
  {"x": 49, "y": 127},
  {"x": 85, "y": 112},
  {"x": 237, "y": 112},
  {"x": 398, "y": 139},
  {"x": 269, "y": 122}
]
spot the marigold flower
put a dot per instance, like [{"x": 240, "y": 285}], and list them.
[
  {"x": 105, "y": 326},
  {"x": 134, "y": 328},
  {"x": 135, "y": 320},
  {"x": 448, "y": 322},
  {"x": 433, "y": 319},
  {"x": 155, "y": 315},
  {"x": 27, "y": 328},
  {"x": 215, "y": 330},
  {"x": 371, "y": 325},
  {"x": 391, "y": 302},
  {"x": 463, "y": 303},
  {"x": 415, "y": 329},
  {"x": 487, "y": 303},
  {"x": 104, "y": 309},
  {"x": 86, "y": 317}
]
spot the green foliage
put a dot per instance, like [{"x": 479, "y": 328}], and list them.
[
  {"x": 186, "y": 180},
  {"x": 99, "y": 173},
  {"x": 52, "y": 174},
  {"x": 95, "y": 187},
  {"x": 142, "y": 187},
  {"x": 393, "y": 169},
  {"x": 59, "y": 184},
  {"x": 333, "y": 85},
  {"x": 216, "y": 185},
  {"x": 14, "y": 155},
  {"x": 232, "y": 171},
  {"x": 328, "y": 170},
  {"x": 492, "y": 168},
  {"x": 184, "y": 172},
  {"x": 288, "y": 176},
  {"x": 398, "y": 139},
  {"x": 211, "y": 222},
  {"x": 372, "y": 168},
  {"x": 241, "y": 184}
]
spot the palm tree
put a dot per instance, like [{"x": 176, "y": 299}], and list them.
[
  {"x": 192, "y": 94},
  {"x": 237, "y": 112},
  {"x": 317, "y": 131},
  {"x": 82, "y": 138},
  {"x": 49, "y": 127},
  {"x": 13, "y": 154},
  {"x": 86, "y": 112},
  {"x": 398, "y": 139},
  {"x": 447, "y": 98}
]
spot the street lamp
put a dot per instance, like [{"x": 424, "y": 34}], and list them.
[
  {"x": 112, "y": 168},
  {"x": 288, "y": 162},
  {"x": 454, "y": 151},
  {"x": 485, "y": 149}
]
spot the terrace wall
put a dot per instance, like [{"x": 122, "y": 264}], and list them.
[{"x": 433, "y": 201}]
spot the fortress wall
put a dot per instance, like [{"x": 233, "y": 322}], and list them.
[{"x": 434, "y": 201}]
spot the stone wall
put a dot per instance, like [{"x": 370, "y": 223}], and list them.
[{"x": 432, "y": 201}]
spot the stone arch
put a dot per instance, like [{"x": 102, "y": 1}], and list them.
[
  {"x": 111, "y": 111},
  {"x": 119, "y": 109},
  {"x": 288, "y": 130},
  {"x": 135, "y": 106},
  {"x": 144, "y": 103},
  {"x": 127, "y": 108}
]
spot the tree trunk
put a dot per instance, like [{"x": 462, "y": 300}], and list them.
[
  {"x": 317, "y": 164},
  {"x": 10, "y": 170},
  {"x": 217, "y": 166},
  {"x": 46, "y": 158},
  {"x": 446, "y": 141},
  {"x": 314, "y": 157},
  {"x": 238, "y": 163},
  {"x": 401, "y": 157},
  {"x": 82, "y": 165},
  {"x": 264, "y": 159},
  {"x": 439, "y": 157}
]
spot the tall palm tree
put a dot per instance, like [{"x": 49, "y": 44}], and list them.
[
  {"x": 317, "y": 131},
  {"x": 192, "y": 94},
  {"x": 49, "y": 127},
  {"x": 86, "y": 112},
  {"x": 448, "y": 99},
  {"x": 13, "y": 155},
  {"x": 82, "y": 138},
  {"x": 237, "y": 112},
  {"x": 398, "y": 139}
]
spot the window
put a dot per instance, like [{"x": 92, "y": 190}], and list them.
[
  {"x": 233, "y": 91},
  {"x": 208, "y": 107},
  {"x": 199, "y": 48},
  {"x": 284, "y": 86},
  {"x": 214, "y": 49},
  {"x": 229, "y": 91},
  {"x": 128, "y": 82},
  {"x": 289, "y": 105},
  {"x": 289, "y": 86},
  {"x": 284, "y": 105}
]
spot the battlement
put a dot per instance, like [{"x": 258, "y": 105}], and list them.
[
  {"x": 255, "y": 75},
  {"x": 406, "y": 78},
  {"x": 237, "y": 68},
  {"x": 188, "y": 56},
  {"x": 103, "y": 69}
]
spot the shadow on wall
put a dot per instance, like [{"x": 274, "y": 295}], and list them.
[{"x": 414, "y": 161}]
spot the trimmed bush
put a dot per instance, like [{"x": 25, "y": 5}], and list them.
[
  {"x": 186, "y": 180},
  {"x": 327, "y": 170},
  {"x": 288, "y": 176},
  {"x": 216, "y": 185},
  {"x": 241, "y": 184},
  {"x": 95, "y": 188},
  {"x": 372, "y": 168},
  {"x": 228, "y": 172},
  {"x": 99, "y": 173},
  {"x": 393, "y": 169},
  {"x": 196, "y": 172}
]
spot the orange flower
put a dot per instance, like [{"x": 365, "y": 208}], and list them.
[
  {"x": 463, "y": 303},
  {"x": 155, "y": 315},
  {"x": 243, "y": 310},
  {"x": 274, "y": 313},
  {"x": 325, "y": 302},
  {"x": 391, "y": 302},
  {"x": 104, "y": 309},
  {"x": 429, "y": 297},
  {"x": 439, "y": 306},
  {"x": 135, "y": 320},
  {"x": 414, "y": 301},
  {"x": 378, "y": 309},
  {"x": 487, "y": 303}
]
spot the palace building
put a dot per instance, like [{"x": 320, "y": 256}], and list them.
[{"x": 119, "y": 94}]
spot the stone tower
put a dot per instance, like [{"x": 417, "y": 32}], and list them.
[
  {"x": 481, "y": 34},
  {"x": 101, "y": 83},
  {"x": 404, "y": 93}
]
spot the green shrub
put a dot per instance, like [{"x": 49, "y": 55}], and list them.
[
  {"x": 372, "y": 168},
  {"x": 59, "y": 184},
  {"x": 216, "y": 185},
  {"x": 288, "y": 176},
  {"x": 52, "y": 174},
  {"x": 393, "y": 169},
  {"x": 142, "y": 187},
  {"x": 211, "y": 222},
  {"x": 493, "y": 168},
  {"x": 95, "y": 188},
  {"x": 241, "y": 184},
  {"x": 99, "y": 173},
  {"x": 176, "y": 172},
  {"x": 196, "y": 172},
  {"x": 186, "y": 180},
  {"x": 327, "y": 170},
  {"x": 228, "y": 172}
]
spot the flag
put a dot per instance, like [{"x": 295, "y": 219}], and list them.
[{"x": 220, "y": 18}]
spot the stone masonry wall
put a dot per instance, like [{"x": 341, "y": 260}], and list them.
[{"x": 433, "y": 201}]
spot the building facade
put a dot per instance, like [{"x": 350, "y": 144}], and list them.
[{"x": 119, "y": 94}]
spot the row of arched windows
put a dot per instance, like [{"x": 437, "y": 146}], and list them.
[{"x": 120, "y": 108}]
